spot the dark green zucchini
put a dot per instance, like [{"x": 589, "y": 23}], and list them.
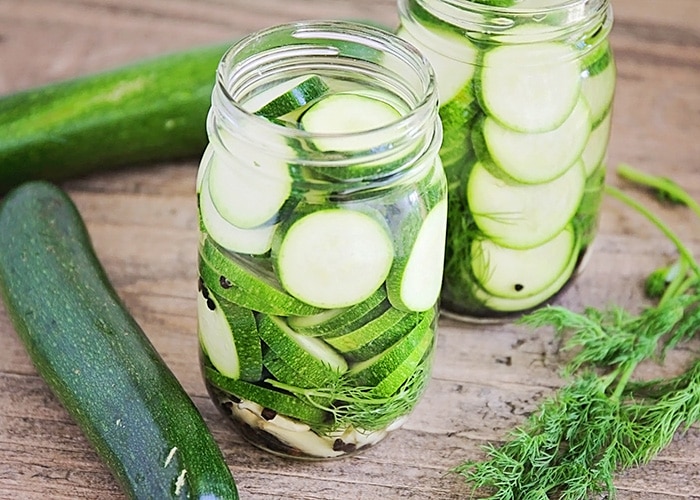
[
  {"x": 96, "y": 358},
  {"x": 147, "y": 111},
  {"x": 151, "y": 110}
]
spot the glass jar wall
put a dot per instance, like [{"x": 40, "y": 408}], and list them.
[
  {"x": 526, "y": 90},
  {"x": 323, "y": 210}
]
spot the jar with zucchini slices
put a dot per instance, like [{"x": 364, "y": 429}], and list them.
[
  {"x": 525, "y": 90},
  {"x": 323, "y": 213}
]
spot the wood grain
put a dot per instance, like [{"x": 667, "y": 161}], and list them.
[{"x": 487, "y": 378}]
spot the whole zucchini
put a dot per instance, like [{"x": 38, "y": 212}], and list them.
[
  {"x": 154, "y": 109},
  {"x": 95, "y": 357}
]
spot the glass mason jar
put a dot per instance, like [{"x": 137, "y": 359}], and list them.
[
  {"x": 525, "y": 90},
  {"x": 323, "y": 212}
]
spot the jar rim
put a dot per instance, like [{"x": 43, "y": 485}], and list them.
[
  {"x": 553, "y": 6},
  {"x": 557, "y": 18},
  {"x": 242, "y": 57}
]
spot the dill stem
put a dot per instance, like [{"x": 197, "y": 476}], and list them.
[
  {"x": 680, "y": 283},
  {"x": 682, "y": 249},
  {"x": 660, "y": 183},
  {"x": 627, "y": 371}
]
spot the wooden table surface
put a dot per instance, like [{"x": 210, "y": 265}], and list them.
[{"x": 486, "y": 379}]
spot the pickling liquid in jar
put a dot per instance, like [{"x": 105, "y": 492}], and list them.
[
  {"x": 323, "y": 212},
  {"x": 526, "y": 90}
]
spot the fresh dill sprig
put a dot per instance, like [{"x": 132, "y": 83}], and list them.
[
  {"x": 359, "y": 406},
  {"x": 602, "y": 421}
]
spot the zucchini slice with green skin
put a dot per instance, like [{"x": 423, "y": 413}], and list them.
[
  {"x": 598, "y": 84},
  {"x": 150, "y": 110},
  {"x": 312, "y": 358},
  {"x": 283, "y": 403},
  {"x": 375, "y": 336},
  {"x": 228, "y": 334},
  {"x": 389, "y": 369},
  {"x": 535, "y": 158},
  {"x": 255, "y": 241},
  {"x": 530, "y": 87},
  {"x": 83, "y": 341},
  {"x": 332, "y": 257},
  {"x": 599, "y": 92},
  {"x": 508, "y": 305},
  {"x": 287, "y": 97},
  {"x": 524, "y": 215},
  {"x": 233, "y": 281},
  {"x": 597, "y": 146},
  {"x": 335, "y": 115},
  {"x": 334, "y": 322},
  {"x": 246, "y": 194},
  {"x": 453, "y": 58},
  {"x": 511, "y": 273},
  {"x": 287, "y": 373},
  {"x": 415, "y": 278}
]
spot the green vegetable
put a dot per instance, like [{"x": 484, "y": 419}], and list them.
[
  {"x": 521, "y": 216},
  {"x": 358, "y": 113},
  {"x": 376, "y": 335},
  {"x": 511, "y": 146},
  {"x": 534, "y": 158},
  {"x": 334, "y": 257},
  {"x": 313, "y": 359},
  {"x": 250, "y": 240},
  {"x": 96, "y": 358},
  {"x": 413, "y": 283},
  {"x": 605, "y": 419},
  {"x": 363, "y": 407},
  {"x": 278, "y": 401},
  {"x": 240, "y": 196},
  {"x": 234, "y": 281},
  {"x": 516, "y": 274},
  {"x": 335, "y": 322},
  {"x": 288, "y": 97},
  {"x": 229, "y": 336},
  {"x": 147, "y": 111},
  {"x": 390, "y": 368},
  {"x": 516, "y": 74}
]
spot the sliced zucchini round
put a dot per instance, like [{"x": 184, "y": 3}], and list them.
[
  {"x": 539, "y": 157},
  {"x": 287, "y": 372},
  {"x": 530, "y": 87},
  {"x": 511, "y": 273},
  {"x": 333, "y": 257},
  {"x": 254, "y": 241},
  {"x": 280, "y": 402},
  {"x": 452, "y": 57},
  {"x": 599, "y": 91},
  {"x": 523, "y": 215},
  {"x": 506, "y": 305},
  {"x": 597, "y": 146},
  {"x": 248, "y": 195},
  {"x": 334, "y": 118},
  {"x": 375, "y": 336}
]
